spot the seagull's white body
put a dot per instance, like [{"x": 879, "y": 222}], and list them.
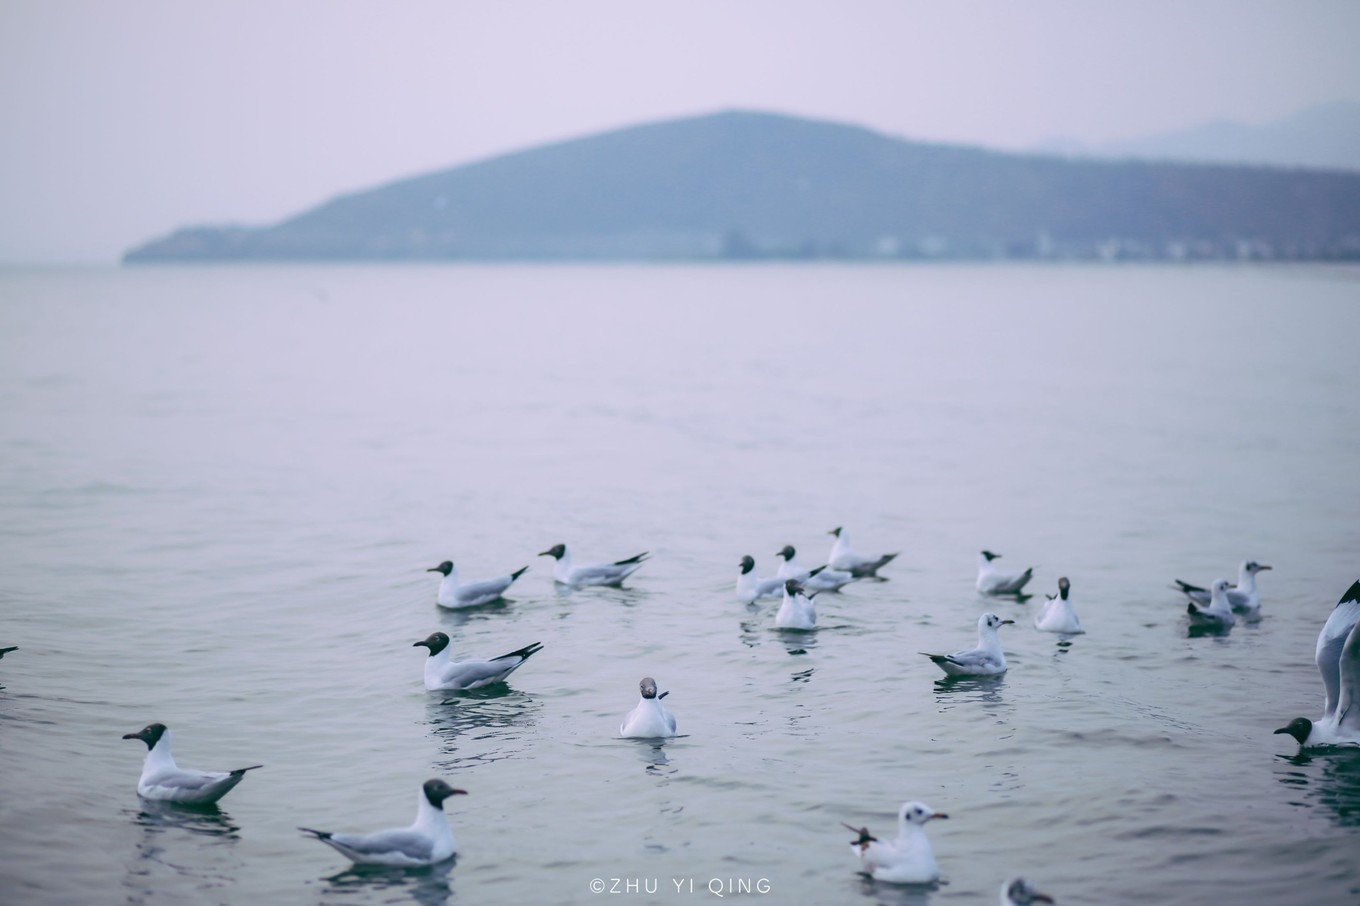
[
  {"x": 796, "y": 611},
  {"x": 1242, "y": 597},
  {"x": 751, "y": 588},
  {"x": 1057, "y": 614},
  {"x": 1218, "y": 615},
  {"x": 815, "y": 579},
  {"x": 649, "y": 719},
  {"x": 907, "y": 859},
  {"x": 992, "y": 581},
  {"x": 1338, "y": 661},
  {"x": 455, "y": 595},
  {"x": 1019, "y": 892},
  {"x": 427, "y": 841},
  {"x": 165, "y": 781},
  {"x": 612, "y": 574},
  {"x": 444, "y": 674},
  {"x": 843, "y": 557},
  {"x": 987, "y": 659}
]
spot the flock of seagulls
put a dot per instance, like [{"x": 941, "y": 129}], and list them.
[{"x": 907, "y": 858}]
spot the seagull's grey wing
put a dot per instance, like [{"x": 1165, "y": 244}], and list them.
[
  {"x": 1330, "y": 642},
  {"x": 1348, "y": 702},
  {"x": 402, "y": 843},
  {"x": 1238, "y": 598},
  {"x": 486, "y": 588},
  {"x": 600, "y": 572},
  {"x": 974, "y": 657},
  {"x": 186, "y": 781}
]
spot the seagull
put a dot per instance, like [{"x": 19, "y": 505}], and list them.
[
  {"x": 1058, "y": 615},
  {"x": 797, "y": 610},
  {"x": 1242, "y": 597},
  {"x": 1019, "y": 892},
  {"x": 823, "y": 578},
  {"x": 906, "y": 860},
  {"x": 445, "y": 675},
  {"x": 991, "y": 581},
  {"x": 1218, "y": 615},
  {"x": 454, "y": 595},
  {"x": 750, "y": 588},
  {"x": 166, "y": 781},
  {"x": 5, "y": 651},
  {"x": 1338, "y": 660},
  {"x": 597, "y": 574},
  {"x": 843, "y": 558},
  {"x": 986, "y": 659},
  {"x": 649, "y": 719},
  {"x": 427, "y": 841}
]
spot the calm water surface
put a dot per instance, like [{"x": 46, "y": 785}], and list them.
[{"x": 221, "y": 489}]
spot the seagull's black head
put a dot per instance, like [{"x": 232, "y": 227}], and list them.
[
  {"x": 990, "y": 556},
  {"x": 436, "y": 642},
  {"x": 1021, "y": 893},
  {"x": 1254, "y": 567},
  {"x": 835, "y": 531},
  {"x": 446, "y": 567},
  {"x": 436, "y": 791},
  {"x": 787, "y": 552},
  {"x": 648, "y": 687},
  {"x": 748, "y": 563},
  {"x": 556, "y": 551},
  {"x": 150, "y": 734},
  {"x": 793, "y": 587},
  {"x": 1063, "y": 587},
  {"x": 1299, "y": 728}
]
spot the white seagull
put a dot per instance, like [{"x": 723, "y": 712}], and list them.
[
  {"x": 750, "y": 587},
  {"x": 427, "y": 841},
  {"x": 1242, "y": 597},
  {"x": 453, "y": 594},
  {"x": 1218, "y": 615},
  {"x": 797, "y": 610},
  {"x": 823, "y": 578},
  {"x": 1057, "y": 614},
  {"x": 906, "y": 860},
  {"x": 649, "y": 719},
  {"x": 1019, "y": 892},
  {"x": 991, "y": 581},
  {"x": 447, "y": 675},
  {"x": 844, "y": 558},
  {"x": 596, "y": 574},
  {"x": 166, "y": 781},
  {"x": 986, "y": 659},
  {"x": 1338, "y": 660}
]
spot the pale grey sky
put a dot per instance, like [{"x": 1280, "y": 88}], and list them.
[{"x": 123, "y": 120}]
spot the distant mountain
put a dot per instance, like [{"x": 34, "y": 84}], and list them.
[
  {"x": 754, "y": 185},
  {"x": 1325, "y": 137}
]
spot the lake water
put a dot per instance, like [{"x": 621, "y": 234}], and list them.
[{"x": 222, "y": 488}]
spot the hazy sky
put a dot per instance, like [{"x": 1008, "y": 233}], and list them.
[{"x": 124, "y": 119}]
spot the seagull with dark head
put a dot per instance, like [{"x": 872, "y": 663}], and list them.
[
  {"x": 444, "y": 674},
  {"x": 165, "y": 781},
  {"x": 610, "y": 574},
  {"x": 454, "y": 594},
  {"x": 428, "y": 841}
]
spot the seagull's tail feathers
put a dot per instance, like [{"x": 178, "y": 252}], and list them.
[{"x": 521, "y": 653}]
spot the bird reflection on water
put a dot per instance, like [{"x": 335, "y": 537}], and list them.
[
  {"x": 1329, "y": 779},
  {"x": 428, "y": 886},
  {"x": 482, "y": 725},
  {"x": 181, "y": 844}
]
